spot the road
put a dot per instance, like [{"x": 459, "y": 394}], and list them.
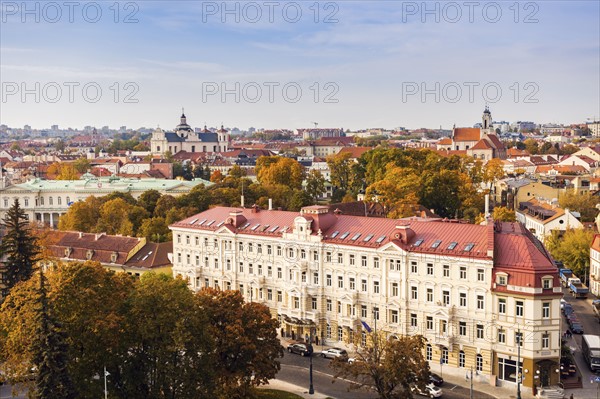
[
  {"x": 294, "y": 369},
  {"x": 5, "y": 393},
  {"x": 583, "y": 310}
]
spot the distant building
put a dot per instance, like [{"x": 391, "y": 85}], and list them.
[
  {"x": 315, "y": 134},
  {"x": 594, "y": 128},
  {"x": 184, "y": 138},
  {"x": 542, "y": 218}
]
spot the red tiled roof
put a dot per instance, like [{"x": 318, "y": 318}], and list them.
[
  {"x": 103, "y": 246},
  {"x": 596, "y": 243},
  {"x": 445, "y": 141},
  {"x": 466, "y": 134},
  {"x": 515, "y": 152},
  {"x": 482, "y": 145},
  {"x": 152, "y": 255},
  {"x": 495, "y": 141},
  {"x": 355, "y": 152}
]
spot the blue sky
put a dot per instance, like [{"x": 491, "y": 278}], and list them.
[{"x": 355, "y": 64}]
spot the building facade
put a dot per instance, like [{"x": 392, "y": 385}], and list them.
[
  {"x": 595, "y": 266},
  {"x": 184, "y": 138},
  {"x": 471, "y": 290}
]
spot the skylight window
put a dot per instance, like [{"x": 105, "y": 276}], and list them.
[
  {"x": 380, "y": 240},
  {"x": 220, "y": 224},
  {"x": 265, "y": 227},
  {"x": 193, "y": 221},
  {"x": 284, "y": 229},
  {"x": 255, "y": 227},
  {"x": 244, "y": 226},
  {"x": 201, "y": 222},
  {"x": 452, "y": 245},
  {"x": 335, "y": 233},
  {"x": 209, "y": 223},
  {"x": 418, "y": 242},
  {"x": 436, "y": 244},
  {"x": 343, "y": 236},
  {"x": 368, "y": 238},
  {"x": 273, "y": 229},
  {"x": 355, "y": 237},
  {"x": 469, "y": 247}
]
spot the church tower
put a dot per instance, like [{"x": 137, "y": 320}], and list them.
[{"x": 486, "y": 122}]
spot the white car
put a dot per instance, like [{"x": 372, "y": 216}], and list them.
[
  {"x": 431, "y": 391},
  {"x": 335, "y": 353}
]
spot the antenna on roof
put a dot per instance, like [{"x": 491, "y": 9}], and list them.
[{"x": 316, "y": 124}]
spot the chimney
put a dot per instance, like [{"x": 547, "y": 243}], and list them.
[
  {"x": 80, "y": 234},
  {"x": 242, "y": 201},
  {"x": 487, "y": 206},
  {"x": 270, "y": 204}
]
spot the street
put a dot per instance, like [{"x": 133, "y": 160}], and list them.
[
  {"x": 294, "y": 369},
  {"x": 5, "y": 393}
]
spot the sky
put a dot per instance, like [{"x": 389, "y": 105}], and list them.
[{"x": 273, "y": 64}]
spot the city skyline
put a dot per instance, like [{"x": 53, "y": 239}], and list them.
[{"x": 356, "y": 64}]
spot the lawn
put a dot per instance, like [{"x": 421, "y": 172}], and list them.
[{"x": 276, "y": 394}]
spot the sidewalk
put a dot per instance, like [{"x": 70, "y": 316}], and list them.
[{"x": 289, "y": 387}]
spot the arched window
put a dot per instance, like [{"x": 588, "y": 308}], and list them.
[{"x": 479, "y": 362}]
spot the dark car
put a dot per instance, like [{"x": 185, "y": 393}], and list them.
[
  {"x": 577, "y": 328},
  {"x": 301, "y": 349},
  {"x": 435, "y": 379}
]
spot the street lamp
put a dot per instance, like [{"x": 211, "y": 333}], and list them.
[
  {"x": 311, "y": 389},
  {"x": 518, "y": 364}
]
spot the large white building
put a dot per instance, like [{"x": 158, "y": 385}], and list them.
[
  {"x": 594, "y": 281},
  {"x": 469, "y": 289},
  {"x": 184, "y": 138}
]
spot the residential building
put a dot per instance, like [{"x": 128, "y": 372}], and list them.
[
  {"x": 543, "y": 218},
  {"x": 471, "y": 290},
  {"x": 594, "y": 282}
]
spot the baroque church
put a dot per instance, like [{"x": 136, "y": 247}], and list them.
[
  {"x": 184, "y": 138},
  {"x": 478, "y": 142}
]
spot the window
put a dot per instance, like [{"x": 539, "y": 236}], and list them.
[
  {"x": 279, "y": 273},
  {"x": 340, "y": 258},
  {"x": 251, "y": 270},
  {"x": 545, "y": 310},
  {"x": 278, "y": 251},
  {"x": 444, "y": 359},
  {"x": 429, "y": 294},
  {"x": 363, "y": 311},
  {"x": 363, "y": 285},
  {"x": 479, "y": 362},
  {"x": 178, "y": 238},
  {"x": 328, "y": 280},
  {"x": 340, "y": 282},
  {"x": 545, "y": 341},
  {"x": 376, "y": 263},
  {"x": 414, "y": 293},
  {"x": 42, "y": 201},
  {"x": 352, "y": 283},
  {"x": 197, "y": 260},
  {"x": 50, "y": 201},
  {"x": 479, "y": 331},
  {"x": 316, "y": 278},
  {"x": 446, "y": 298},
  {"x": 363, "y": 261},
  {"x": 480, "y": 275},
  {"x": 430, "y": 269},
  {"x": 375, "y": 287},
  {"x": 329, "y": 305},
  {"x": 394, "y": 289},
  {"x": 480, "y": 303},
  {"x": 502, "y": 306},
  {"x": 446, "y": 270},
  {"x": 363, "y": 338},
  {"x": 269, "y": 250},
  {"x": 519, "y": 309},
  {"x": 428, "y": 353},
  {"x": 339, "y": 307},
  {"x": 501, "y": 279},
  {"x": 352, "y": 260},
  {"x": 463, "y": 272},
  {"x": 443, "y": 327},
  {"x": 302, "y": 254},
  {"x": 394, "y": 316},
  {"x": 313, "y": 303},
  {"x": 296, "y": 302},
  {"x": 413, "y": 320},
  {"x": 328, "y": 257},
  {"x": 413, "y": 267},
  {"x": 27, "y": 201},
  {"x": 462, "y": 328},
  {"x": 461, "y": 359},
  {"x": 501, "y": 336},
  {"x": 376, "y": 313},
  {"x": 259, "y": 248},
  {"x": 429, "y": 323},
  {"x": 279, "y": 296},
  {"x": 315, "y": 256},
  {"x": 462, "y": 299},
  {"x": 328, "y": 331},
  {"x": 269, "y": 271},
  {"x": 546, "y": 283},
  {"x": 187, "y": 240},
  {"x": 340, "y": 333},
  {"x": 179, "y": 258}
]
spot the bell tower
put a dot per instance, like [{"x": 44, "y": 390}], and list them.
[{"x": 486, "y": 122}]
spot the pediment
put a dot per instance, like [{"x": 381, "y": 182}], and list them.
[{"x": 391, "y": 247}]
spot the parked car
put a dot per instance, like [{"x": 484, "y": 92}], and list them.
[
  {"x": 431, "y": 391},
  {"x": 335, "y": 353},
  {"x": 300, "y": 349},
  {"x": 567, "y": 309},
  {"x": 577, "y": 328},
  {"x": 435, "y": 379},
  {"x": 354, "y": 359}
]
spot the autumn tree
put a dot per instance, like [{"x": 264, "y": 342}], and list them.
[
  {"x": 246, "y": 344},
  {"x": 389, "y": 367},
  {"x": 315, "y": 184},
  {"x": 573, "y": 249},
  {"x": 340, "y": 167},
  {"x": 114, "y": 218},
  {"x": 216, "y": 176},
  {"x": 82, "y": 165},
  {"x": 155, "y": 230},
  {"x": 81, "y": 216},
  {"x": 18, "y": 247},
  {"x": 503, "y": 214},
  {"x": 279, "y": 170},
  {"x": 585, "y": 204},
  {"x": 396, "y": 191},
  {"x": 493, "y": 171}
]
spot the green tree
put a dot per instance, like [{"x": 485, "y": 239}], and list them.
[
  {"x": 148, "y": 200},
  {"x": 573, "y": 249},
  {"x": 50, "y": 349},
  {"x": 246, "y": 344},
  {"x": 585, "y": 204},
  {"x": 82, "y": 165},
  {"x": 114, "y": 218},
  {"x": 81, "y": 216},
  {"x": 389, "y": 367},
  {"x": 340, "y": 166},
  {"x": 532, "y": 146},
  {"x": 396, "y": 191},
  {"x": 279, "y": 170},
  {"x": 504, "y": 214},
  {"x": 164, "y": 204},
  {"x": 315, "y": 184},
  {"x": 19, "y": 248},
  {"x": 155, "y": 230}
]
